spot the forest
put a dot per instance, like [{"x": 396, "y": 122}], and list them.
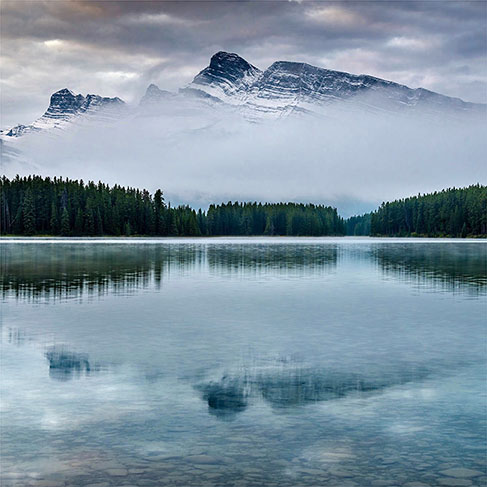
[
  {"x": 449, "y": 213},
  {"x": 34, "y": 205},
  {"x": 358, "y": 225}
]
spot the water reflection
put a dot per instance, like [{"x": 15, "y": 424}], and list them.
[
  {"x": 226, "y": 397},
  {"x": 62, "y": 270},
  {"x": 280, "y": 259},
  {"x": 15, "y": 336},
  {"x": 451, "y": 267},
  {"x": 294, "y": 385},
  {"x": 345, "y": 380},
  {"x": 65, "y": 365},
  {"x": 59, "y": 270}
]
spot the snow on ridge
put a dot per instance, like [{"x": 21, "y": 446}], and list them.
[
  {"x": 65, "y": 108},
  {"x": 284, "y": 89}
]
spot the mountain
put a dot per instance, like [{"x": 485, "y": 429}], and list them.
[
  {"x": 65, "y": 107},
  {"x": 228, "y": 79},
  {"x": 231, "y": 84},
  {"x": 154, "y": 95},
  {"x": 289, "y": 87}
]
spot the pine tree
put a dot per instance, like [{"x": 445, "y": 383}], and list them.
[
  {"x": 78, "y": 222},
  {"x": 54, "y": 221},
  {"x": 269, "y": 226},
  {"x": 89, "y": 222},
  {"x": 65, "y": 226},
  {"x": 28, "y": 213}
]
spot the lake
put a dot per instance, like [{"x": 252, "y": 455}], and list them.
[{"x": 243, "y": 362}]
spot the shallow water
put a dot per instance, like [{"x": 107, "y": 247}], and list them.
[{"x": 265, "y": 362}]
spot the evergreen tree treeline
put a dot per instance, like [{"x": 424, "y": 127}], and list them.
[
  {"x": 449, "y": 213},
  {"x": 358, "y": 225},
  {"x": 35, "y": 205}
]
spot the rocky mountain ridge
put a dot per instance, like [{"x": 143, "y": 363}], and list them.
[
  {"x": 66, "y": 107},
  {"x": 285, "y": 88},
  {"x": 289, "y": 87}
]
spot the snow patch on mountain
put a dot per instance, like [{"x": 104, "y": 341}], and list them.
[
  {"x": 65, "y": 107},
  {"x": 232, "y": 87},
  {"x": 227, "y": 79},
  {"x": 287, "y": 88}
]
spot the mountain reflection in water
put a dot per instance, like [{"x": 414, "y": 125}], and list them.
[
  {"x": 265, "y": 362},
  {"x": 65, "y": 365},
  {"x": 294, "y": 385}
]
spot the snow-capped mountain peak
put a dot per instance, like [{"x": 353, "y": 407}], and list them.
[
  {"x": 65, "y": 107},
  {"x": 228, "y": 68},
  {"x": 226, "y": 78},
  {"x": 288, "y": 87},
  {"x": 231, "y": 84}
]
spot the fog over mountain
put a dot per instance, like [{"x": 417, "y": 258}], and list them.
[{"x": 291, "y": 132}]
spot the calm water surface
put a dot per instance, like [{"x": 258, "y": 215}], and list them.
[{"x": 243, "y": 362}]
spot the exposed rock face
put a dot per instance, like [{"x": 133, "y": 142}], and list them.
[
  {"x": 65, "y": 102},
  {"x": 283, "y": 89},
  {"x": 65, "y": 107},
  {"x": 287, "y": 87},
  {"x": 227, "y": 77},
  {"x": 19, "y": 130}
]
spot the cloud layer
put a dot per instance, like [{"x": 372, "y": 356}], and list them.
[
  {"x": 353, "y": 161},
  {"x": 118, "y": 48}
]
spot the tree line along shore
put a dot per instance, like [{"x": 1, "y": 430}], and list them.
[{"x": 36, "y": 205}]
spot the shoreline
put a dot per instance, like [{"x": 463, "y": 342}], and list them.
[{"x": 238, "y": 239}]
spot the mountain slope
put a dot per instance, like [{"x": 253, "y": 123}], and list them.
[
  {"x": 154, "y": 95},
  {"x": 228, "y": 79},
  {"x": 232, "y": 85},
  {"x": 65, "y": 107},
  {"x": 289, "y": 87}
]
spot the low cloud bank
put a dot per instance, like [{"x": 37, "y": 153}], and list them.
[{"x": 354, "y": 161}]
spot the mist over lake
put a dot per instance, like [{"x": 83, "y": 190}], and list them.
[{"x": 351, "y": 160}]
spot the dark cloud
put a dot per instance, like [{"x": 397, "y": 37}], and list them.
[{"x": 118, "y": 47}]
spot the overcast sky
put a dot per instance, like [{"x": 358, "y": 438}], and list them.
[{"x": 116, "y": 48}]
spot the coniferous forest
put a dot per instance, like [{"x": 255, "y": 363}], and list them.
[
  {"x": 35, "y": 205},
  {"x": 43, "y": 206},
  {"x": 448, "y": 213},
  {"x": 358, "y": 225}
]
